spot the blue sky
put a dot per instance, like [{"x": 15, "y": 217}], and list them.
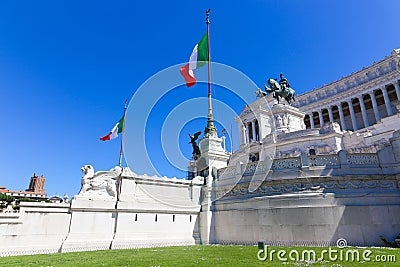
[{"x": 66, "y": 68}]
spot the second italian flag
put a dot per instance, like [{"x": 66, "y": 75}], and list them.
[{"x": 198, "y": 58}]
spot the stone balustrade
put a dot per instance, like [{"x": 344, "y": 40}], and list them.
[
  {"x": 286, "y": 163},
  {"x": 323, "y": 160}
]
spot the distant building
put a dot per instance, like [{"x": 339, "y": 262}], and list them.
[
  {"x": 37, "y": 184},
  {"x": 35, "y": 190},
  {"x": 56, "y": 199}
]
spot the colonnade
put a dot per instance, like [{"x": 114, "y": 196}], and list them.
[
  {"x": 360, "y": 99},
  {"x": 250, "y": 131}
]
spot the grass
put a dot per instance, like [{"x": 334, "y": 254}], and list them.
[{"x": 188, "y": 256}]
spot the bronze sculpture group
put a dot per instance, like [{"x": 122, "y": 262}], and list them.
[{"x": 279, "y": 89}]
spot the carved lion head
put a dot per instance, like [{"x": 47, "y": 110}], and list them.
[{"x": 87, "y": 171}]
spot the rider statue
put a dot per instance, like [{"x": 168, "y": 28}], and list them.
[
  {"x": 280, "y": 89},
  {"x": 283, "y": 82}
]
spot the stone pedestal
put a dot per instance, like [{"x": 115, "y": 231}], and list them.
[
  {"x": 213, "y": 157},
  {"x": 287, "y": 118},
  {"x": 192, "y": 170},
  {"x": 156, "y": 211}
]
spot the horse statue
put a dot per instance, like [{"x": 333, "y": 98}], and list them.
[{"x": 278, "y": 90}]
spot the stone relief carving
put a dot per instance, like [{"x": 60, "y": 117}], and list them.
[
  {"x": 101, "y": 184},
  {"x": 241, "y": 190},
  {"x": 363, "y": 148},
  {"x": 289, "y": 153},
  {"x": 330, "y": 127}
]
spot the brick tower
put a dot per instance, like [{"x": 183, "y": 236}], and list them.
[{"x": 36, "y": 184}]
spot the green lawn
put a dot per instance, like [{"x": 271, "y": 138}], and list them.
[{"x": 191, "y": 256}]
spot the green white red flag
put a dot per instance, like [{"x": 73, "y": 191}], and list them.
[
  {"x": 118, "y": 128},
  {"x": 198, "y": 58}
]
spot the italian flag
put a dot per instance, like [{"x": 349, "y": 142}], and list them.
[
  {"x": 118, "y": 128},
  {"x": 198, "y": 58}
]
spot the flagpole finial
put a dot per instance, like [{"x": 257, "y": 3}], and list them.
[{"x": 208, "y": 16}]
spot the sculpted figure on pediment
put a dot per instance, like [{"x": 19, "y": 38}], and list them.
[
  {"x": 285, "y": 120},
  {"x": 278, "y": 121}
]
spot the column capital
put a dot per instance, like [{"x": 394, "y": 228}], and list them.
[
  {"x": 339, "y": 104},
  {"x": 360, "y": 97}
]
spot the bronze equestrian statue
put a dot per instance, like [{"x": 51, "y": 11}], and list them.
[{"x": 281, "y": 89}]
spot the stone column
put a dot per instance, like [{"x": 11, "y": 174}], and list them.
[
  {"x": 397, "y": 87},
  {"x": 248, "y": 133},
  {"x": 341, "y": 116},
  {"x": 311, "y": 120},
  {"x": 253, "y": 127},
  {"x": 387, "y": 101},
  {"x": 244, "y": 134},
  {"x": 321, "y": 119},
  {"x": 330, "y": 114},
  {"x": 375, "y": 106},
  {"x": 352, "y": 115},
  {"x": 363, "y": 111}
]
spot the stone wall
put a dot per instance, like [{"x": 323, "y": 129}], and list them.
[
  {"x": 38, "y": 228},
  {"x": 308, "y": 218},
  {"x": 310, "y": 200},
  {"x": 151, "y": 211}
]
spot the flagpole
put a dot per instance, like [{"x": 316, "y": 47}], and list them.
[
  {"x": 122, "y": 138},
  {"x": 210, "y": 129}
]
